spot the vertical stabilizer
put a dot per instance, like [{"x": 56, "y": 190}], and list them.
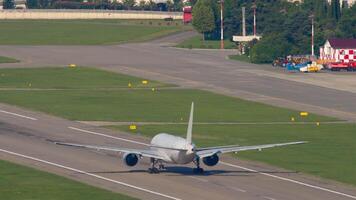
[{"x": 190, "y": 124}]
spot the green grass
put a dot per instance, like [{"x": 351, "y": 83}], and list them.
[
  {"x": 69, "y": 78},
  {"x": 20, "y": 182},
  {"x": 83, "y": 32},
  {"x": 7, "y": 60},
  {"x": 83, "y": 96},
  {"x": 197, "y": 42},
  {"x": 330, "y": 153},
  {"x": 242, "y": 58},
  {"x": 144, "y": 105}
]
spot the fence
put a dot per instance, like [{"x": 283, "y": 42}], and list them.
[{"x": 86, "y": 14}]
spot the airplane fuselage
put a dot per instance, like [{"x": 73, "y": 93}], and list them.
[{"x": 175, "y": 149}]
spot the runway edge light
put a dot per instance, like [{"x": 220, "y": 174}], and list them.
[
  {"x": 72, "y": 65},
  {"x": 132, "y": 127},
  {"x": 304, "y": 114},
  {"x": 145, "y": 82}
]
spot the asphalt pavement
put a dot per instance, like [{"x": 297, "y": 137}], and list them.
[{"x": 28, "y": 137}]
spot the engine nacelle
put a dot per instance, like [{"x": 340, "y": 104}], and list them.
[
  {"x": 211, "y": 160},
  {"x": 130, "y": 159}
]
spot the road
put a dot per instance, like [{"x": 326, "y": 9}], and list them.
[
  {"x": 332, "y": 94},
  {"x": 27, "y": 137}
]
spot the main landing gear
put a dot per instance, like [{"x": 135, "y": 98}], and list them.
[
  {"x": 198, "y": 169},
  {"x": 153, "y": 169}
]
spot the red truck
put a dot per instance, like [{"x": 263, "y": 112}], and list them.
[{"x": 337, "y": 66}]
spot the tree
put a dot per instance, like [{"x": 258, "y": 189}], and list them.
[
  {"x": 152, "y": 5},
  {"x": 129, "y": 4},
  {"x": 270, "y": 47},
  {"x": 31, "y": 4},
  {"x": 203, "y": 17},
  {"x": 169, "y": 5},
  {"x": 142, "y": 4},
  {"x": 177, "y": 5},
  {"x": 335, "y": 9},
  {"x": 8, "y": 4}
]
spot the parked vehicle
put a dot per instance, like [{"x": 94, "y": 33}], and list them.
[
  {"x": 313, "y": 67},
  {"x": 337, "y": 66},
  {"x": 280, "y": 62}
]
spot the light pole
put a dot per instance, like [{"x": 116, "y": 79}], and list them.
[
  {"x": 312, "y": 36},
  {"x": 254, "y": 18},
  {"x": 221, "y": 24}
]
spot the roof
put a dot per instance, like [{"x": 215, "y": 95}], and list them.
[{"x": 343, "y": 43}]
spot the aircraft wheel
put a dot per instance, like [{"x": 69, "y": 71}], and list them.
[
  {"x": 153, "y": 171},
  {"x": 198, "y": 170}
]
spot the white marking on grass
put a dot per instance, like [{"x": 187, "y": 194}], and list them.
[
  {"x": 88, "y": 174},
  {"x": 17, "y": 115},
  {"x": 108, "y": 136},
  {"x": 290, "y": 180}
]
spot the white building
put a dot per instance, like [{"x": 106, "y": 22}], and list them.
[
  {"x": 349, "y": 2},
  {"x": 339, "y": 50}
]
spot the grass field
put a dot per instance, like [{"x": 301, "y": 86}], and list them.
[
  {"x": 197, "y": 42},
  {"x": 83, "y": 32},
  {"x": 329, "y": 153},
  {"x": 242, "y": 58},
  {"x": 19, "y": 182},
  {"x": 94, "y": 102},
  {"x": 69, "y": 78},
  {"x": 7, "y": 60}
]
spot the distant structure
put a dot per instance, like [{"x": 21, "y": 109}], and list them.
[
  {"x": 187, "y": 11},
  {"x": 242, "y": 40},
  {"x": 19, "y": 4},
  {"x": 339, "y": 50},
  {"x": 349, "y": 2}
]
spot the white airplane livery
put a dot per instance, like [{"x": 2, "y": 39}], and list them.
[{"x": 166, "y": 148}]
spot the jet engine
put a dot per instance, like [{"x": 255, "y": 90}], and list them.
[
  {"x": 211, "y": 160},
  {"x": 130, "y": 159}
]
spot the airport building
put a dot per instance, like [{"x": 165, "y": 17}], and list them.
[{"x": 339, "y": 50}]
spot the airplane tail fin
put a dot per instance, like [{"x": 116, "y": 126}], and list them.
[{"x": 190, "y": 124}]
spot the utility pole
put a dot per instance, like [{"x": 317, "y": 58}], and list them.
[
  {"x": 254, "y": 18},
  {"x": 243, "y": 22},
  {"x": 312, "y": 36},
  {"x": 221, "y": 24}
]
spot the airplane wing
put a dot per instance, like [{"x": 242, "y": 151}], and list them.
[
  {"x": 141, "y": 152},
  {"x": 205, "y": 152}
]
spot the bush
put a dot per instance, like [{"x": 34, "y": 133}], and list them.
[{"x": 270, "y": 47}]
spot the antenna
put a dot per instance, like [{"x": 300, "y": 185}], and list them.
[{"x": 190, "y": 124}]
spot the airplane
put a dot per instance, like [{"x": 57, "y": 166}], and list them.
[{"x": 166, "y": 148}]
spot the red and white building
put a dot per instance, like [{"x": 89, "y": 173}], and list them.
[{"x": 339, "y": 50}]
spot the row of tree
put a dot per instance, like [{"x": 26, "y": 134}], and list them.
[
  {"x": 171, "y": 5},
  {"x": 285, "y": 27}
]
